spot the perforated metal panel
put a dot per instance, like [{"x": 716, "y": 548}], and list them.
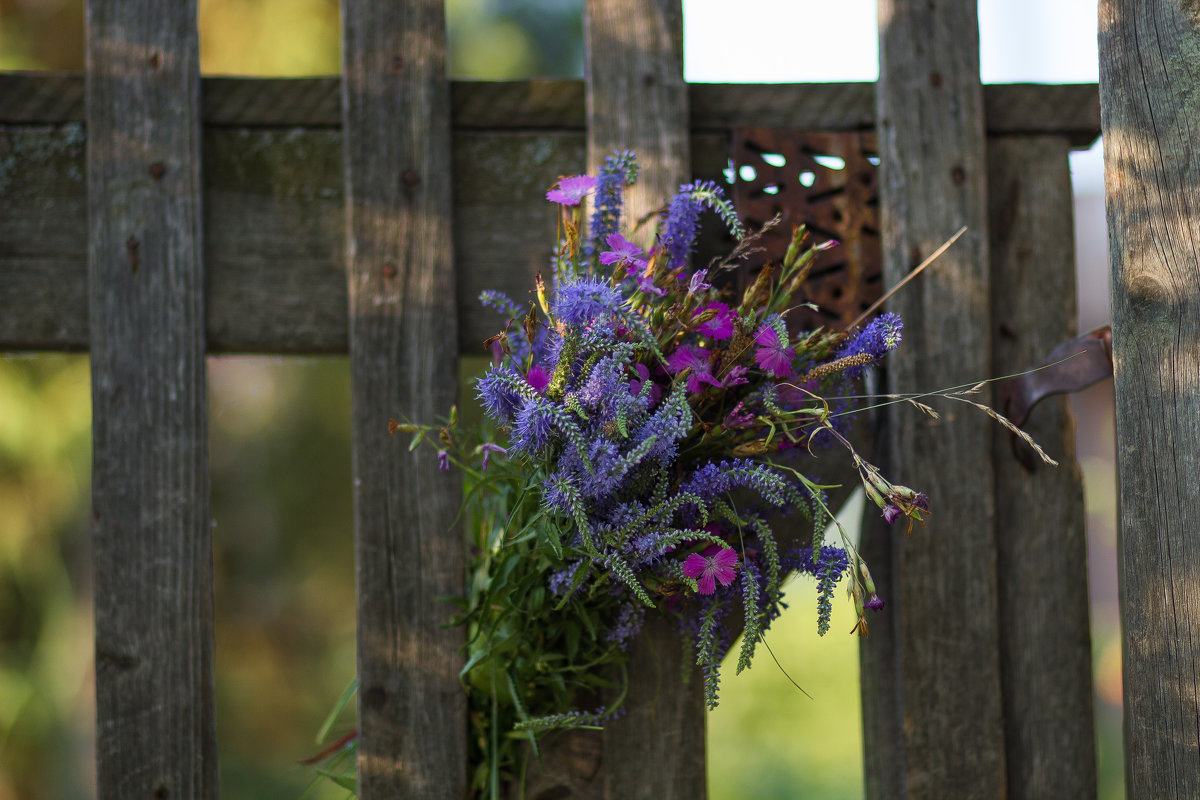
[{"x": 827, "y": 181}]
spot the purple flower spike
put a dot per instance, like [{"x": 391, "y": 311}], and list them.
[
  {"x": 443, "y": 461},
  {"x": 572, "y": 190},
  {"x": 715, "y": 564},
  {"x": 623, "y": 251},
  {"x": 772, "y": 355}
]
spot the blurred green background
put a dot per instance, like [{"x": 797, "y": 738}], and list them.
[{"x": 282, "y": 509}]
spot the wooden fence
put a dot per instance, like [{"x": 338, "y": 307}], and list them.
[{"x": 151, "y": 217}]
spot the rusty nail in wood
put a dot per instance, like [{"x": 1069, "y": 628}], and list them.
[
  {"x": 410, "y": 177},
  {"x": 389, "y": 269},
  {"x": 935, "y": 79},
  {"x": 958, "y": 175},
  {"x": 131, "y": 248},
  {"x": 154, "y": 61},
  {"x": 157, "y": 170}
]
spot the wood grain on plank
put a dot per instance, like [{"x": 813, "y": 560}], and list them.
[
  {"x": 1072, "y": 110},
  {"x": 151, "y": 544},
  {"x": 1150, "y": 97},
  {"x": 1041, "y": 546},
  {"x": 933, "y": 181},
  {"x": 403, "y": 347}
]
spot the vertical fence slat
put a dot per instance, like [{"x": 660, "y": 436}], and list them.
[
  {"x": 933, "y": 181},
  {"x": 403, "y": 352},
  {"x": 1045, "y": 642},
  {"x": 152, "y": 553},
  {"x": 637, "y": 100},
  {"x": 1150, "y": 114}
]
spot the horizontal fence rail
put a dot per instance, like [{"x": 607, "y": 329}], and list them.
[
  {"x": 1072, "y": 110},
  {"x": 273, "y": 199}
]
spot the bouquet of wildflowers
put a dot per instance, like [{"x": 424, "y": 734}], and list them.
[{"x": 646, "y": 431}]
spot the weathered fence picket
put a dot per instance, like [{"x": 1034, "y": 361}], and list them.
[
  {"x": 151, "y": 536},
  {"x": 412, "y": 712},
  {"x": 1150, "y": 96},
  {"x": 364, "y": 215},
  {"x": 1041, "y": 548},
  {"x": 933, "y": 180}
]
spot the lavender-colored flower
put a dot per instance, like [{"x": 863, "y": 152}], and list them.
[
  {"x": 443, "y": 459},
  {"x": 538, "y": 378},
  {"x": 735, "y": 376},
  {"x": 697, "y": 284},
  {"x": 699, "y": 361},
  {"x": 738, "y": 418},
  {"x": 487, "y": 448},
  {"x": 534, "y": 427},
  {"x": 623, "y": 251},
  {"x": 618, "y": 171},
  {"x": 874, "y": 602},
  {"x": 772, "y": 354},
  {"x": 714, "y": 564},
  {"x": 571, "y": 191},
  {"x": 720, "y": 325},
  {"x": 500, "y": 399},
  {"x": 584, "y": 301},
  {"x": 645, "y": 283},
  {"x": 881, "y": 335},
  {"x": 891, "y": 513}
]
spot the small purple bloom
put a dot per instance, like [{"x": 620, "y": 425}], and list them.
[
  {"x": 572, "y": 190},
  {"x": 875, "y": 603},
  {"x": 735, "y": 377},
  {"x": 772, "y": 355},
  {"x": 488, "y": 448},
  {"x": 645, "y": 283},
  {"x": 443, "y": 460},
  {"x": 721, "y": 325},
  {"x": 698, "y": 360},
  {"x": 635, "y": 386},
  {"x": 538, "y": 378},
  {"x": 697, "y": 285},
  {"x": 738, "y": 418},
  {"x": 891, "y": 513},
  {"x": 715, "y": 564},
  {"x": 623, "y": 251}
]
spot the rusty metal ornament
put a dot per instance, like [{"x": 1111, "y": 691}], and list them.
[{"x": 827, "y": 181}]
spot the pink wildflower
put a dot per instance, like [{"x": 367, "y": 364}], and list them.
[
  {"x": 698, "y": 360},
  {"x": 772, "y": 355},
  {"x": 715, "y": 564},
  {"x": 572, "y": 190},
  {"x": 623, "y": 251},
  {"x": 721, "y": 324},
  {"x": 538, "y": 378}
]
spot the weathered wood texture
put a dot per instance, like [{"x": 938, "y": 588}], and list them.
[
  {"x": 151, "y": 543},
  {"x": 1072, "y": 110},
  {"x": 637, "y": 99},
  {"x": 400, "y": 270},
  {"x": 272, "y": 198},
  {"x": 1150, "y": 97},
  {"x": 933, "y": 181},
  {"x": 1041, "y": 544}
]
